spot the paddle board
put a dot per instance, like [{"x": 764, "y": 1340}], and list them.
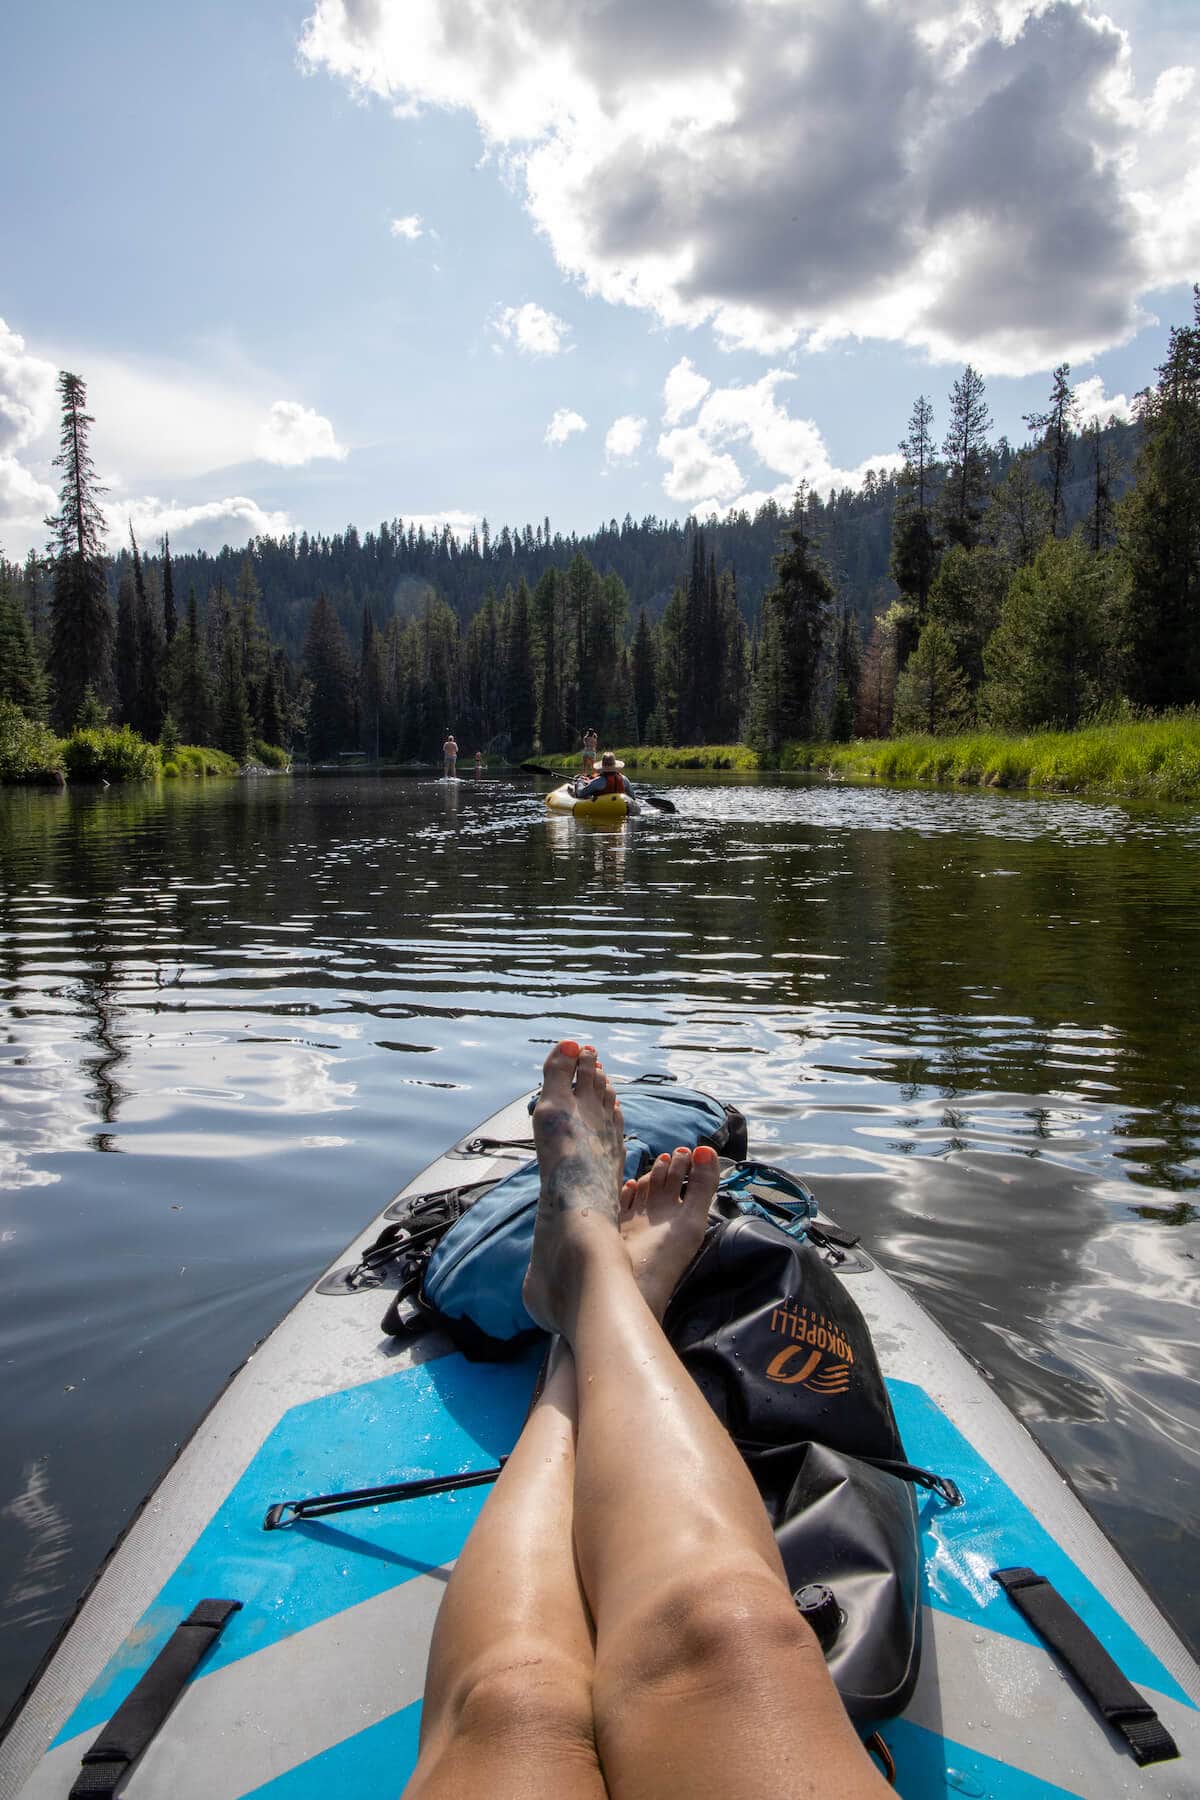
[{"x": 315, "y": 1685}]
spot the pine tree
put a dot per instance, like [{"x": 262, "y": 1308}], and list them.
[
  {"x": 966, "y": 600},
  {"x": 191, "y": 685},
  {"x": 931, "y": 692},
  {"x": 915, "y": 547},
  {"x": 150, "y": 700},
  {"x": 1021, "y": 516},
  {"x": 965, "y": 450},
  {"x": 127, "y": 650},
  {"x": 328, "y": 670},
  {"x": 170, "y": 617},
  {"x": 235, "y": 733},
  {"x": 549, "y": 651},
  {"x": 1054, "y": 429},
  {"x": 847, "y": 667},
  {"x": 22, "y": 677},
  {"x": 1159, "y": 531},
  {"x": 645, "y": 675},
  {"x": 81, "y": 621},
  {"x": 1050, "y": 658},
  {"x": 520, "y": 700},
  {"x": 1105, "y": 468},
  {"x": 254, "y": 646},
  {"x": 877, "y": 678},
  {"x": 795, "y": 623}
]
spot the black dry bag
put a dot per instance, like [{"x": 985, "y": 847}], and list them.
[{"x": 784, "y": 1357}]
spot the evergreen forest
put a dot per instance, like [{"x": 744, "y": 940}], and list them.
[{"x": 980, "y": 583}]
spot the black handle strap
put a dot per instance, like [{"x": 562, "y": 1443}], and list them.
[
  {"x": 141, "y": 1713},
  {"x": 316, "y": 1506},
  {"x": 1090, "y": 1663}
]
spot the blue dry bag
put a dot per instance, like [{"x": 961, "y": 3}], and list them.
[{"x": 473, "y": 1281}]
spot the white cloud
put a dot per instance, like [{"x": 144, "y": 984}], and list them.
[
  {"x": 703, "y": 473},
  {"x": 695, "y": 468},
  {"x": 533, "y": 330},
  {"x": 461, "y": 523},
  {"x": 976, "y": 178},
  {"x": 683, "y": 390},
  {"x": 206, "y": 526},
  {"x": 1094, "y": 403},
  {"x": 27, "y": 392},
  {"x": 25, "y": 501},
  {"x": 563, "y": 425},
  {"x": 409, "y": 227},
  {"x": 624, "y": 436},
  {"x": 292, "y": 434}
]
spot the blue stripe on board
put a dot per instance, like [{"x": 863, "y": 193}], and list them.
[
  {"x": 994, "y": 1530},
  {"x": 374, "y": 1764},
  {"x": 928, "y": 1764},
  {"x": 439, "y": 1418}
]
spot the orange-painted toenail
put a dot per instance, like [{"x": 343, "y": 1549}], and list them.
[
  {"x": 705, "y": 1154},
  {"x": 569, "y": 1047},
  {"x": 681, "y": 1149},
  {"x": 664, "y": 1157}
]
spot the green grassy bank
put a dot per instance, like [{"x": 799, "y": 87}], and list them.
[
  {"x": 1150, "y": 758},
  {"x": 30, "y": 752}
]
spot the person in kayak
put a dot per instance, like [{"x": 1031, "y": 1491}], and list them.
[
  {"x": 449, "y": 756},
  {"x": 609, "y": 780},
  {"x": 619, "y": 1623}
]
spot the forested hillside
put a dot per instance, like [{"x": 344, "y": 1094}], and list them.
[{"x": 978, "y": 583}]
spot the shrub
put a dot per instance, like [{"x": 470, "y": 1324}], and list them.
[
  {"x": 201, "y": 759},
  {"x": 109, "y": 753},
  {"x": 29, "y": 750},
  {"x": 270, "y": 755},
  {"x": 170, "y": 771}
]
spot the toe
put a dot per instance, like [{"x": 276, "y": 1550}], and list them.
[
  {"x": 585, "y": 1072},
  {"x": 629, "y": 1193},
  {"x": 678, "y": 1171},
  {"x": 558, "y": 1070},
  {"x": 706, "y": 1173},
  {"x": 656, "y": 1180}
]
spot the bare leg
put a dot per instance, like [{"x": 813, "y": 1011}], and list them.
[
  {"x": 508, "y": 1694},
  {"x": 707, "y": 1682}
]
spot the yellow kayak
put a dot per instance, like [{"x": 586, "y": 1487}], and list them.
[{"x": 604, "y": 806}]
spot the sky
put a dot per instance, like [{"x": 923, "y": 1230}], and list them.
[{"x": 329, "y": 264}]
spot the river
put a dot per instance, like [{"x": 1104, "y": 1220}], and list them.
[{"x": 235, "y": 1017}]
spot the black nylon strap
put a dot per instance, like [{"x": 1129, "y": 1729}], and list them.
[
  {"x": 141, "y": 1713},
  {"x": 1090, "y": 1663}
]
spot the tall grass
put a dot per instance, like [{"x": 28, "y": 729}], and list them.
[{"x": 1153, "y": 758}]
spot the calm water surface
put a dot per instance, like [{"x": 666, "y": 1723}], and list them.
[{"x": 235, "y": 1018}]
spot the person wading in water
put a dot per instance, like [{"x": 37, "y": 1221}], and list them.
[{"x": 449, "y": 756}]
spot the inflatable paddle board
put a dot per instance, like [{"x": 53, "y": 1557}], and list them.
[
  {"x": 313, "y": 1686},
  {"x": 603, "y": 806}
]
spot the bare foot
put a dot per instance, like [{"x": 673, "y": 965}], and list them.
[
  {"x": 580, "y": 1138},
  {"x": 663, "y": 1216}
]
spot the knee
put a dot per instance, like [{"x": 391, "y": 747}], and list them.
[
  {"x": 722, "y": 1626},
  {"x": 528, "y": 1697}
]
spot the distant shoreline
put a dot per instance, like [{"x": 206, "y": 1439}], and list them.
[{"x": 1148, "y": 759}]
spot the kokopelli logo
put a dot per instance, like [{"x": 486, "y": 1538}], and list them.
[{"x": 819, "y": 1356}]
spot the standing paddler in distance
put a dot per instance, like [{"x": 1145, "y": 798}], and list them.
[
  {"x": 449, "y": 757},
  {"x": 591, "y": 746}
]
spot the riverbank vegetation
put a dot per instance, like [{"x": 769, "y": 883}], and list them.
[
  {"x": 1156, "y": 758},
  {"x": 981, "y": 591}
]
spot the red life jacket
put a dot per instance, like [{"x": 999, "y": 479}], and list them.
[{"x": 614, "y": 781}]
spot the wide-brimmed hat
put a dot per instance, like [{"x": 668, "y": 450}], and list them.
[{"x": 613, "y": 762}]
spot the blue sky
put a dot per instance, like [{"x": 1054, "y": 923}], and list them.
[{"x": 198, "y": 217}]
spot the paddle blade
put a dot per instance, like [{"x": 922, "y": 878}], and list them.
[{"x": 659, "y": 804}]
